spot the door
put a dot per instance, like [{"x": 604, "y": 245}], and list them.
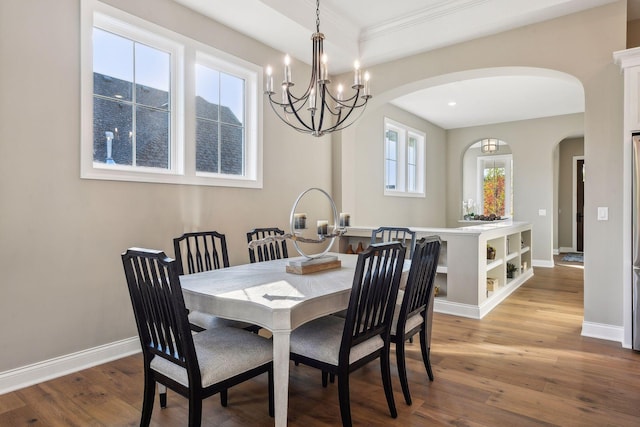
[{"x": 579, "y": 205}]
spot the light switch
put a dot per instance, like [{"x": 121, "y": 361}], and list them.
[
  {"x": 542, "y": 212},
  {"x": 603, "y": 213}
]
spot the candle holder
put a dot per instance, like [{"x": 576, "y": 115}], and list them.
[{"x": 323, "y": 229}]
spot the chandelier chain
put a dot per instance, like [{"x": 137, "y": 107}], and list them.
[{"x": 317, "y": 16}]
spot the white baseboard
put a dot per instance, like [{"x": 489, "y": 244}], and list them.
[
  {"x": 564, "y": 250},
  {"x": 556, "y": 251},
  {"x": 456, "y": 309},
  {"x": 542, "y": 263},
  {"x": 48, "y": 369},
  {"x": 603, "y": 331}
]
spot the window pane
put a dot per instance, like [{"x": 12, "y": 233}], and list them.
[
  {"x": 152, "y": 138},
  {"x": 220, "y": 109},
  {"x": 390, "y": 181},
  {"x": 232, "y": 150},
  {"x": 411, "y": 151},
  {"x": 152, "y": 74},
  {"x": 411, "y": 177},
  {"x": 207, "y": 92},
  {"x": 112, "y": 65},
  {"x": 231, "y": 99},
  {"x": 494, "y": 191},
  {"x": 206, "y": 146},
  {"x": 114, "y": 117}
]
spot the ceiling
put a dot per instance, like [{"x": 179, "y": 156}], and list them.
[{"x": 371, "y": 31}]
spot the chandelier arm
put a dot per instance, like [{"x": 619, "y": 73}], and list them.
[
  {"x": 338, "y": 126},
  {"x": 295, "y": 113}
]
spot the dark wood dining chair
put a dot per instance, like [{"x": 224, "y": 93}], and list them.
[
  {"x": 200, "y": 251},
  {"x": 414, "y": 308},
  {"x": 337, "y": 345},
  {"x": 395, "y": 234},
  {"x": 270, "y": 250},
  {"x": 195, "y": 366}
]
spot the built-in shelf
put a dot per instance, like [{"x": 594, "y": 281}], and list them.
[
  {"x": 463, "y": 268},
  {"x": 493, "y": 263}
]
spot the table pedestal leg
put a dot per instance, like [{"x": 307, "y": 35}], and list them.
[{"x": 281, "y": 375}]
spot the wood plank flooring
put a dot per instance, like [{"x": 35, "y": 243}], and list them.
[{"x": 524, "y": 364}]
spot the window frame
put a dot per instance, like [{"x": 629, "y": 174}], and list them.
[
  {"x": 185, "y": 52},
  {"x": 405, "y": 134}
]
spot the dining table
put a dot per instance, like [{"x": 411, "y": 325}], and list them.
[{"x": 265, "y": 294}]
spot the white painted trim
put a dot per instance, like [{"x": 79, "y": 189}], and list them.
[
  {"x": 542, "y": 263},
  {"x": 604, "y": 332},
  {"x": 565, "y": 250},
  {"x": 557, "y": 251},
  {"x": 53, "y": 368},
  {"x": 456, "y": 309}
]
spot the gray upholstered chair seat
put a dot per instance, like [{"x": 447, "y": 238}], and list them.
[
  {"x": 320, "y": 340},
  {"x": 222, "y": 352},
  {"x": 411, "y": 323},
  {"x": 208, "y": 321}
]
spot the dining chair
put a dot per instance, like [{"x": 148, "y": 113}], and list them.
[
  {"x": 414, "y": 308},
  {"x": 270, "y": 250},
  {"x": 395, "y": 234},
  {"x": 195, "y": 366},
  {"x": 337, "y": 345},
  {"x": 200, "y": 251}
]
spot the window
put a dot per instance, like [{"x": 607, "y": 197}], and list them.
[
  {"x": 404, "y": 160},
  {"x": 135, "y": 125},
  {"x": 496, "y": 185}
]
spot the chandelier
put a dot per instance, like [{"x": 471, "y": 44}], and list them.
[
  {"x": 489, "y": 145},
  {"x": 318, "y": 111}
]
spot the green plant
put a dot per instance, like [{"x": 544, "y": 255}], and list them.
[{"x": 511, "y": 268}]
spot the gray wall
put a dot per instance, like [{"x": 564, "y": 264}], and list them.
[
  {"x": 62, "y": 284},
  {"x": 570, "y": 45},
  {"x": 532, "y": 143},
  {"x": 63, "y": 288}
]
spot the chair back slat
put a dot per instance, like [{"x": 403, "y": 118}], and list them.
[
  {"x": 201, "y": 251},
  {"x": 395, "y": 234},
  {"x": 420, "y": 282},
  {"x": 267, "y": 251},
  {"x": 159, "y": 309},
  {"x": 373, "y": 294}
]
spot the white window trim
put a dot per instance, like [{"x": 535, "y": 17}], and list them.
[
  {"x": 188, "y": 51},
  {"x": 401, "y": 171}
]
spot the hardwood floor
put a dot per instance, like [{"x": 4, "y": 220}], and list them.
[{"x": 524, "y": 364}]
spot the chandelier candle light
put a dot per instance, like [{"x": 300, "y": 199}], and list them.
[{"x": 325, "y": 112}]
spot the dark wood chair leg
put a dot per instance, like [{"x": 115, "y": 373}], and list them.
[
  {"x": 148, "y": 398},
  {"x": 332, "y": 378},
  {"x": 224, "y": 397},
  {"x": 402, "y": 371},
  {"x": 343, "y": 397},
  {"x": 325, "y": 375},
  {"x": 386, "y": 381},
  {"x": 195, "y": 411},
  {"x": 162, "y": 393},
  {"x": 426, "y": 353},
  {"x": 271, "y": 404}
]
